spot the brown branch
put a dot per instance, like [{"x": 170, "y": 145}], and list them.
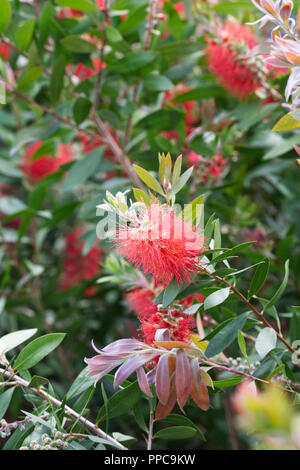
[
  {"x": 75, "y": 416},
  {"x": 118, "y": 152},
  {"x": 253, "y": 309}
]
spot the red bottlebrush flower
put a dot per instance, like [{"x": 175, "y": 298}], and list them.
[
  {"x": 162, "y": 244},
  {"x": 193, "y": 157},
  {"x": 176, "y": 322},
  {"x": 46, "y": 164},
  {"x": 189, "y": 300},
  {"x": 141, "y": 302},
  {"x": 5, "y": 51},
  {"x": 179, "y": 6},
  {"x": 232, "y": 70},
  {"x": 211, "y": 168},
  {"x": 83, "y": 71},
  {"x": 78, "y": 267}
]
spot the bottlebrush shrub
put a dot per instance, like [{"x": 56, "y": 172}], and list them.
[{"x": 90, "y": 93}]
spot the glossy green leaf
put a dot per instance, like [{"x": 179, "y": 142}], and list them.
[
  {"x": 5, "y": 15},
  {"x": 226, "y": 336},
  {"x": 5, "y": 399},
  {"x": 259, "y": 277},
  {"x": 39, "y": 348},
  {"x": 216, "y": 298},
  {"x": 265, "y": 342}
]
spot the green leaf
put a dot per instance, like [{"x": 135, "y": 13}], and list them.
[
  {"x": 243, "y": 348},
  {"x": 295, "y": 326},
  {"x": 135, "y": 17},
  {"x": 216, "y": 298},
  {"x": 82, "y": 169},
  {"x": 282, "y": 287},
  {"x": 37, "y": 381},
  {"x": 265, "y": 342},
  {"x": 24, "y": 34},
  {"x": 204, "y": 91},
  {"x": 176, "y": 432},
  {"x": 81, "y": 109},
  {"x": 161, "y": 120},
  {"x": 57, "y": 79},
  {"x": 112, "y": 34},
  {"x": 5, "y": 399},
  {"x": 45, "y": 21},
  {"x": 132, "y": 62},
  {"x": 121, "y": 402},
  {"x": 39, "y": 348},
  {"x": 259, "y": 277},
  {"x": 141, "y": 196},
  {"x": 5, "y": 15},
  {"x": 173, "y": 50},
  {"x": 80, "y": 384},
  {"x": 287, "y": 123},
  {"x": 170, "y": 293},
  {"x": 181, "y": 182},
  {"x": 226, "y": 336},
  {"x": 12, "y": 340},
  {"x": 157, "y": 83},
  {"x": 148, "y": 179},
  {"x": 78, "y": 45},
  {"x": 181, "y": 420},
  {"x": 29, "y": 77},
  {"x": 81, "y": 5},
  {"x": 228, "y": 382}
]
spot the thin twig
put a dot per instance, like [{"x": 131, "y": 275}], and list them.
[{"x": 76, "y": 416}]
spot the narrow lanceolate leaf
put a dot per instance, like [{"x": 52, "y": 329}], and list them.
[
  {"x": 287, "y": 123},
  {"x": 198, "y": 388},
  {"x": 13, "y": 340},
  {"x": 177, "y": 169},
  {"x": 5, "y": 399},
  {"x": 143, "y": 381},
  {"x": 282, "y": 287},
  {"x": 183, "y": 378},
  {"x": 24, "y": 34},
  {"x": 5, "y": 15},
  {"x": 81, "y": 5},
  {"x": 39, "y": 348},
  {"x": 163, "y": 379},
  {"x": 259, "y": 277},
  {"x": 141, "y": 196},
  {"x": 226, "y": 336},
  {"x": 180, "y": 182},
  {"x": 176, "y": 432},
  {"x": 148, "y": 179},
  {"x": 242, "y": 345},
  {"x": 265, "y": 342},
  {"x": 216, "y": 298}
]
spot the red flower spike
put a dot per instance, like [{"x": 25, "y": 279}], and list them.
[
  {"x": 233, "y": 72},
  {"x": 163, "y": 245}
]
